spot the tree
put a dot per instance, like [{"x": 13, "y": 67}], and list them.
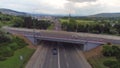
[
  {"x": 117, "y": 27},
  {"x": 18, "y": 22},
  {"x": 107, "y": 50}
]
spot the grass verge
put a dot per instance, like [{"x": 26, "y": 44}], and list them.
[
  {"x": 97, "y": 62},
  {"x": 14, "y": 61}
]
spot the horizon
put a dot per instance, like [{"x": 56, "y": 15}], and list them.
[{"x": 74, "y": 7}]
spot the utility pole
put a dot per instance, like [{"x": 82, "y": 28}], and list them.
[
  {"x": 69, "y": 17},
  {"x": 34, "y": 30}
]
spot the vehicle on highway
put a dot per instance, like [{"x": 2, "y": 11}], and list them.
[{"x": 54, "y": 51}]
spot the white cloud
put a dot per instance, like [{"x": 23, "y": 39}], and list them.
[
  {"x": 81, "y": 1},
  {"x": 76, "y": 7}
]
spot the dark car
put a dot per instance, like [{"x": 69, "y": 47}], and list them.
[{"x": 54, "y": 51}]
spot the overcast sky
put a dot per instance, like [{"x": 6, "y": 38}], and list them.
[{"x": 75, "y": 7}]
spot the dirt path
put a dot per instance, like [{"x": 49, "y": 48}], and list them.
[{"x": 94, "y": 52}]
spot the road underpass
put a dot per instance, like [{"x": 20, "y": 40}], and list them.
[{"x": 68, "y": 56}]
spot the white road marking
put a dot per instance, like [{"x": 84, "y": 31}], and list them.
[
  {"x": 58, "y": 58},
  {"x": 66, "y": 60},
  {"x": 67, "y": 65}
]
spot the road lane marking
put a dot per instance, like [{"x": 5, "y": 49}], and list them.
[
  {"x": 66, "y": 58},
  {"x": 67, "y": 64},
  {"x": 58, "y": 58}
]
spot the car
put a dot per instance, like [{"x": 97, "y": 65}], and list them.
[{"x": 54, "y": 51}]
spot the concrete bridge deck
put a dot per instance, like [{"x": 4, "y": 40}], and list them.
[{"x": 63, "y": 36}]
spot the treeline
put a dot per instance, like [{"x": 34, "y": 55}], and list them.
[
  {"x": 28, "y": 22},
  {"x": 97, "y": 26},
  {"x": 9, "y": 20}
]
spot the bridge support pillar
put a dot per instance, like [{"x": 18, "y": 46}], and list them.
[
  {"x": 34, "y": 41},
  {"x": 88, "y": 46}
]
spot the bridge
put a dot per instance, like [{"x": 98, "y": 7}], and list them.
[{"x": 89, "y": 41}]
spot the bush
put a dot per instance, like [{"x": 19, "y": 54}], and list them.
[
  {"x": 116, "y": 50},
  {"x": 6, "y": 51},
  {"x": 110, "y": 50},
  {"x": 117, "y": 65},
  {"x": 20, "y": 42},
  {"x": 4, "y": 37},
  {"x": 14, "y": 46},
  {"x": 112, "y": 64},
  {"x": 2, "y": 58},
  {"x": 118, "y": 57},
  {"x": 107, "y": 50}
]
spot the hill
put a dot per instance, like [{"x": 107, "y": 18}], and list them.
[
  {"x": 12, "y": 12},
  {"x": 17, "y": 13},
  {"x": 106, "y": 15}
]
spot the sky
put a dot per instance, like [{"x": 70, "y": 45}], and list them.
[{"x": 63, "y": 7}]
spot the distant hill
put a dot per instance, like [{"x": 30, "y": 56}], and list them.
[
  {"x": 106, "y": 15},
  {"x": 12, "y": 12},
  {"x": 17, "y": 13}
]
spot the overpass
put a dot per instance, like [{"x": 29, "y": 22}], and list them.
[{"x": 88, "y": 41}]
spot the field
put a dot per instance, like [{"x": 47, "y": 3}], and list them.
[
  {"x": 14, "y": 61},
  {"x": 77, "y": 20}
]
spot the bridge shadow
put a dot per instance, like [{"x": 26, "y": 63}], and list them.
[{"x": 69, "y": 46}]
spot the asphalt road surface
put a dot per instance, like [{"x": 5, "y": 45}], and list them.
[
  {"x": 67, "y": 57},
  {"x": 57, "y": 25}
]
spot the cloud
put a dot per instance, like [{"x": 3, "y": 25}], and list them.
[
  {"x": 75, "y": 7},
  {"x": 92, "y": 7},
  {"x": 81, "y": 1},
  {"x": 80, "y": 5}
]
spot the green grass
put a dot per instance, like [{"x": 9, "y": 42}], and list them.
[
  {"x": 63, "y": 20},
  {"x": 14, "y": 61},
  {"x": 84, "y": 21},
  {"x": 51, "y": 27},
  {"x": 97, "y": 62},
  {"x": 79, "y": 21}
]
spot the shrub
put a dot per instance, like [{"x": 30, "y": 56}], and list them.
[
  {"x": 2, "y": 58},
  {"x": 7, "y": 51},
  {"x": 20, "y": 42},
  {"x": 110, "y": 50},
  {"x": 116, "y": 65},
  {"x": 107, "y": 50},
  {"x": 109, "y": 63},
  {"x": 118, "y": 57},
  {"x": 116, "y": 50},
  {"x": 14, "y": 46}
]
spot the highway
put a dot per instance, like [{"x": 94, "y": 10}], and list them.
[
  {"x": 57, "y": 25},
  {"x": 67, "y": 57}
]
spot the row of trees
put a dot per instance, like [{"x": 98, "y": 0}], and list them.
[
  {"x": 9, "y": 19},
  {"x": 91, "y": 27},
  {"x": 28, "y": 22},
  {"x": 20, "y": 21}
]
